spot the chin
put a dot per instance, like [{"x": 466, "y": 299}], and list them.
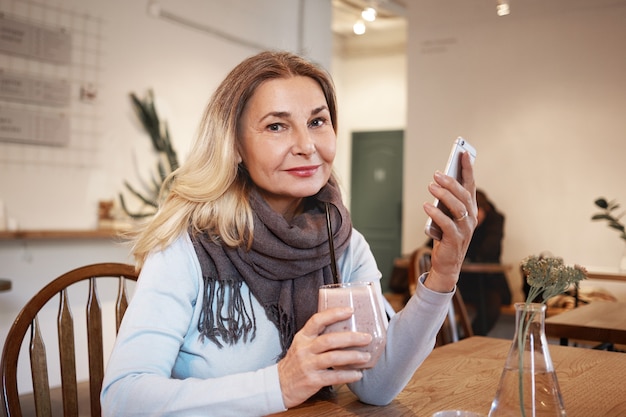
[{"x": 308, "y": 187}]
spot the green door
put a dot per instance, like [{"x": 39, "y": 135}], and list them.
[{"x": 376, "y": 194}]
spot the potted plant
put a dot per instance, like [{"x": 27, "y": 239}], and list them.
[
  {"x": 167, "y": 161},
  {"x": 528, "y": 385},
  {"x": 607, "y": 213}
]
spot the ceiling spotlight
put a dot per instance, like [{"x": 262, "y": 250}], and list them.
[
  {"x": 369, "y": 14},
  {"x": 502, "y": 7},
  {"x": 359, "y": 27},
  {"x": 154, "y": 8}
]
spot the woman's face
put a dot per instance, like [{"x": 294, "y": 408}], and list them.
[{"x": 287, "y": 141}]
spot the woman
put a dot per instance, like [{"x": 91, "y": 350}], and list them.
[
  {"x": 486, "y": 246},
  {"x": 223, "y": 320}
]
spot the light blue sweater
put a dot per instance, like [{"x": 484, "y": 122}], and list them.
[{"x": 160, "y": 367}]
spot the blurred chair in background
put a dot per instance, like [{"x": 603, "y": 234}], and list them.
[{"x": 458, "y": 324}]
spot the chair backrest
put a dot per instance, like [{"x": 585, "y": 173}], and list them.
[
  {"x": 419, "y": 263},
  {"x": 458, "y": 319},
  {"x": 27, "y": 319}
]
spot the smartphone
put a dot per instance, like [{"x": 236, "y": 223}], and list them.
[{"x": 453, "y": 169}]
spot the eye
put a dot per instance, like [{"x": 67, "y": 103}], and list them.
[
  {"x": 318, "y": 121},
  {"x": 274, "y": 127}
]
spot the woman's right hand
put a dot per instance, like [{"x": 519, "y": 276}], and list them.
[{"x": 306, "y": 368}]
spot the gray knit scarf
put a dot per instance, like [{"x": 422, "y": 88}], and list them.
[{"x": 284, "y": 268}]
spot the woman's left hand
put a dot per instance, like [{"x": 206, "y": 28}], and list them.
[{"x": 448, "y": 253}]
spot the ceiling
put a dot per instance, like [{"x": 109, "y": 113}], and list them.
[
  {"x": 388, "y": 33},
  {"x": 384, "y": 35}
]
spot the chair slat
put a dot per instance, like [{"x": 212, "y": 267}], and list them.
[
  {"x": 26, "y": 325},
  {"x": 67, "y": 355},
  {"x": 94, "y": 347},
  {"x": 39, "y": 371},
  {"x": 121, "y": 304}
]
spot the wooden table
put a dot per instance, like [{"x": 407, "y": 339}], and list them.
[
  {"x": 599, "y": 321},
  {"x": 486, "y": 268},
  {"x": 472, "y": 267},
  {"x": 465, "y": 375},
  {"x": 607, "y": 274}
]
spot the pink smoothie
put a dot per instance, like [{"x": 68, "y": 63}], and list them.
[{"x": 367, "y": 317}]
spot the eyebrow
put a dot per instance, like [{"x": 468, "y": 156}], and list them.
[{"x": 286, "y": 114}]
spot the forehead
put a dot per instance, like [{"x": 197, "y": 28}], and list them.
[{"x": 296, "y": 89}]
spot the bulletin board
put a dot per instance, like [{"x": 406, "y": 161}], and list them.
[{"x": 50, "y": 71}]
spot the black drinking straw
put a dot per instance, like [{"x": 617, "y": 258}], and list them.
[{"x": 331, "y": 245}]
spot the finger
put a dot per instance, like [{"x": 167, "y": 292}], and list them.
[
  {"x": 320, "y": 320},
  {"x": 467, "y": 172},
  {"x": 344, "y": 359},
  {"x": 342, "y": 340},
  {"x": 469, "y": 183},
  {"x": 450, "y": 187},
  {"x": 458, "y": 198},
  {"x": 462, "y": 217},
  {"x": 451, "y": 194}
]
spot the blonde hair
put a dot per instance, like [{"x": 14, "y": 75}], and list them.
[{"x": 209, "y": 191}]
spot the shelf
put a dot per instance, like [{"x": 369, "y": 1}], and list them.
[{"x": 59, "y": 234}]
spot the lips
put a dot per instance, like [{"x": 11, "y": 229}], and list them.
[{"x": 303, "y": 171}]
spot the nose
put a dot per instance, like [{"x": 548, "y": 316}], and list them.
[{"x": 303, "y": 143}]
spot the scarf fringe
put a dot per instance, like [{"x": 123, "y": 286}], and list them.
[
  {"x": 233, "y": 326},
  {"x": 286, "y": 332},
  {"x": 283, "y": 269}
]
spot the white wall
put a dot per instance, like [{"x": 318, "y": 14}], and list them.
[
  {"x": 540, "y": 93},
  {"x": 520, "y": 88},
  {"x": 139, "y": 52},
  {"x": 182, "y": 65},
  {"x": 372, "y": 95}
]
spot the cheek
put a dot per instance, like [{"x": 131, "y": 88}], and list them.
[
  {"x": 328, "y": 149},
  {"x": 262, "y": 161}
]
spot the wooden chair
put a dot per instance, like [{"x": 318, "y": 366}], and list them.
[
  {"x": 27, "y": 319},
  {"x": 419, "y": 263},
  {"x": 458, "y": 318}
]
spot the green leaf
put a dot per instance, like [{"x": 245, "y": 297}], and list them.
[
  {"x": 616, "y": 225},
  {"x": 612, "y": 221},
  {"x": 147, "y": 200},
  {"x": 158, "y": 132},
  {"x": 601, "y": 217},
  {"x": 601, "y": 202}
]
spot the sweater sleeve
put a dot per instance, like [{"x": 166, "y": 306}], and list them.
[
  {"x": 410, "y": 339},
  {"x": 411, "y": 332},
  {"x": 153, "y": 369}
]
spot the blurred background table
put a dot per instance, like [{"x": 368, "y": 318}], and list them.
[
  {"x": 599, "y": 321},
  {"x": 402, "y": 264},
  {"x": 465, "y": 375},
  {"x": 606, "y": 274},
  {"x": 476, "y": 270}
]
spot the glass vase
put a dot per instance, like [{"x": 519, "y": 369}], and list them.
[{"x": 528, "y": 386}]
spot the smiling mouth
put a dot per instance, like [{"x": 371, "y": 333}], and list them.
[{"x": 304, "y": 171}]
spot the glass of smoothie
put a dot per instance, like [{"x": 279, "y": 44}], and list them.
[{"x": 367, "y": 317}]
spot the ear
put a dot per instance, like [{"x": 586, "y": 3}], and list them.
[{"x": 239, "y": 159}]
